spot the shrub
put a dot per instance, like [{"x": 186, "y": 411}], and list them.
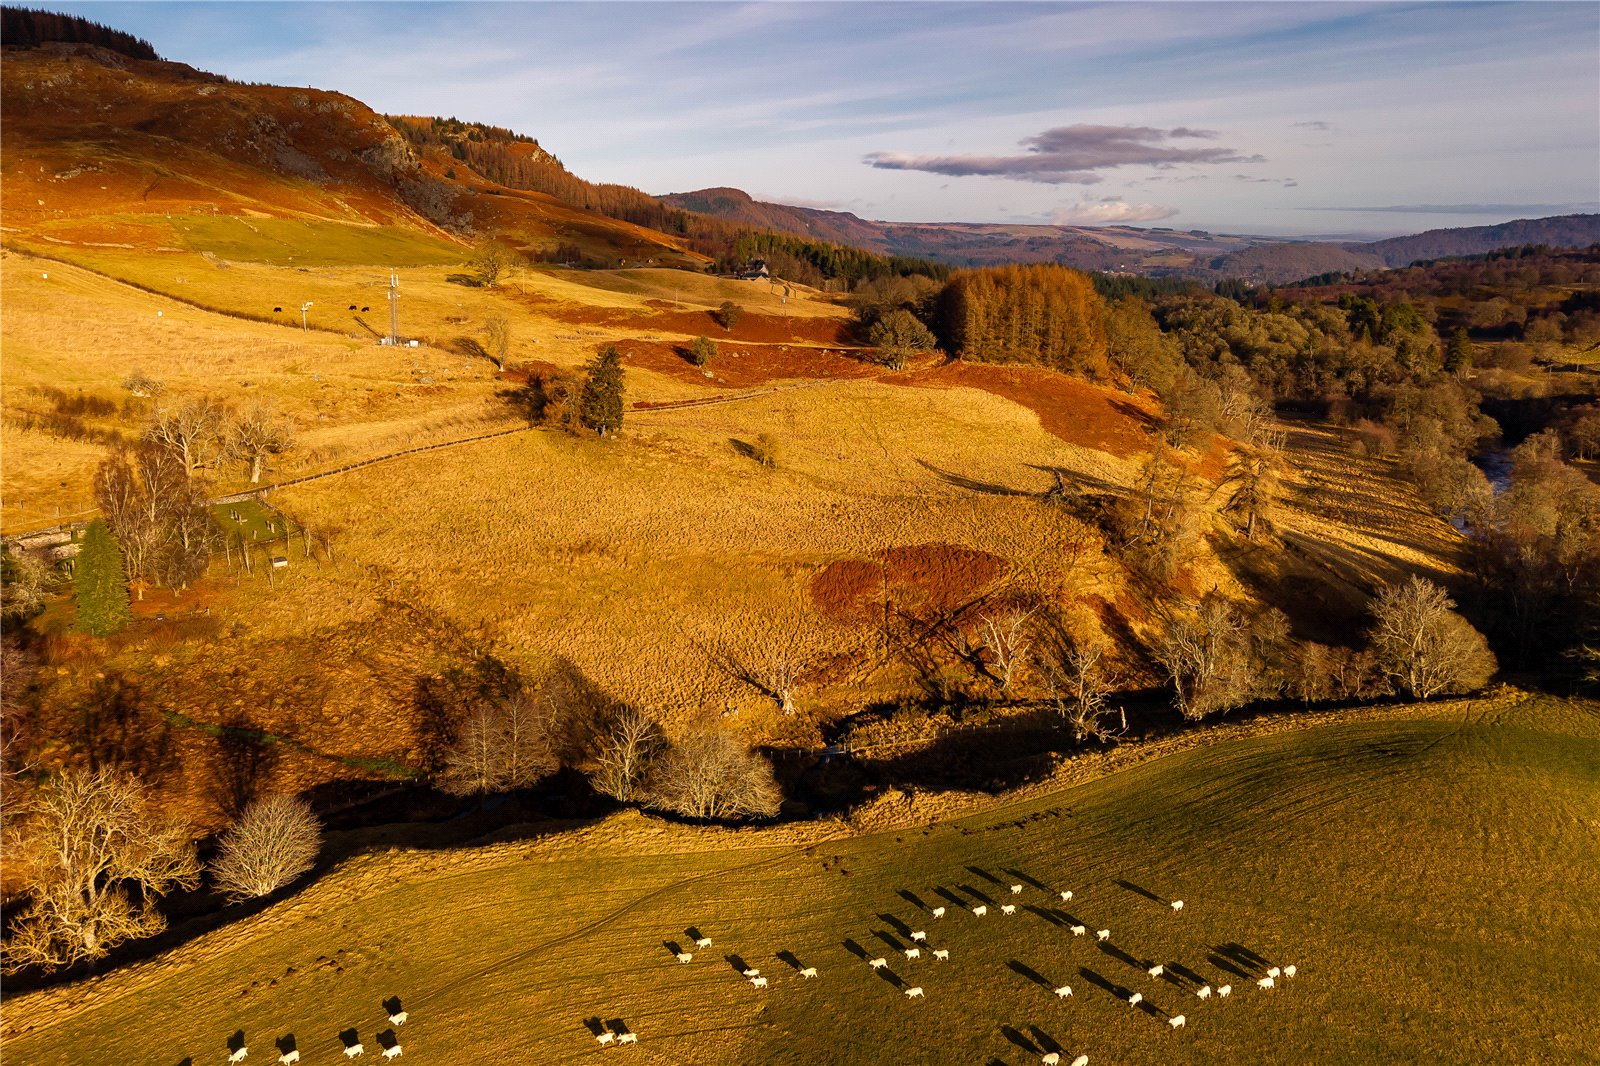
[
  {"x": 709, "y": 774},
  {"x": 274, "y": 841},
  {"x": 765, "y": 450},
  {"x": 728, "y": 314},
  {"x": 702, "y": 351}
]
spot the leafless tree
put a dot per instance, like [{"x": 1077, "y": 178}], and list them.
[
  {"x": 274, "y": 841},
  {"x": 628, "y": 746},
  {"x": 1252, "y": 484},
  {"x": 490, "y": 264},
  {"x": 1424, "y": 646},
  {"x": 1206, "y": 652},
  {"x": 1006, "y": 638},
  {"x": 90, "y": 842},
  {"x": 157, "y": 513},
  {"x": 497, "y": 340},
  {"x": 28, "y": 580},
  {"x": 189, "y": 428},
  {"x": 255, "y": 434},
  {"x": 708, "y": 773},
  {"x": 770, "y": 659},
  {"x": 1080, "y": 685},
  {"x": 506, "y": 743},
  {"x": 143, "y": 385}
]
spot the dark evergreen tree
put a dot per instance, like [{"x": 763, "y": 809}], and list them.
[
  {"x": 99, "y": 584},
  {"x": 600, "y": 407},
  {"x": 1458, "y": 356}
]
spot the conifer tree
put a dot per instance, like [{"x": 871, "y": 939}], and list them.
[
  {"x": 99, "y": 584},
  {"x": 600, "y": 407}
]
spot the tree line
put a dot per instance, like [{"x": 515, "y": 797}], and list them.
[{"x": 26, "y": 27}]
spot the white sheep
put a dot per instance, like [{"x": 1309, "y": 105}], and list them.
[
  {"x": 392, "y": 1052},
  {"x": 938, "y": 912},
  {"x": 1066, "y": 895},
  {"x": 1288, "y": 971},
  {"x": 1051, "y": 1059},
  {"x": 1135, "y": 999},
  {"x": 354, "y": 1050},
  {"x": 758, "y": 982},
  {"x": 627, "y": 1038},
  {"x": 1064, "y": 991},
  {"x": 1008, "y": 908},
  {"x": 684, "y": 956},
  {"x": 606, "y": 1038},
  {"x": 809, "y": 971},
  {"x": 1081, "y": 1060},
  {"x": 1079, "y": 930},
  {"x": 1177, "y": 905},
  {"x": 1274, "y": 972},
  {"x": 913, "y": 953},
  {"x": 1103, "y": 934},
  {"x": 942, "y": 954},
  {"x": 751, "y": 971},
  {"x": 1265, "y": 982},
  {"x": 1178, "y": 1022},
  {"x": 702, "y": 942},
  {"x": 1225, "y": 991},
  {"x": 920, "y": 935},
  {"x": 240, "y": 1055},
  {"x": 1204, "y": 992},
  {"x": 980, "y": 910},
  {"x": 398, "y": 1018},
  {"x": 878, "y": 963},
  {"x": 1016, "y": 890},
  {"x": 914, "y": 992},
  {"x": 289, "y": 1058},
  {"x": 1157, "y": 970}
]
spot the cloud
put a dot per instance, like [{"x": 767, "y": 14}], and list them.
[
  {"x": 1325, "y": 127},
  {"x": 1108, "y": 210},
  {"x": 1287, "y": 183},
  {"x": 1470, "y": 209},
  {"x": 1071, "y": 155}
]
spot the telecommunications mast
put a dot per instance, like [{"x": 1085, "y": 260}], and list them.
[{"x": 394, "y": 308}]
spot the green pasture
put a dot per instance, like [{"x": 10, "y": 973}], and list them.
[
  {"x": 1434, "y": 879},
  {"x": 252, "y": 521}
]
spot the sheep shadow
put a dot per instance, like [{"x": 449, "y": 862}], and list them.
[
  {"x": 1017, "y": 1037},
  {"x": 895, "y": 923},
  {"x": 978, "y": 871},
  {"x": 1242, "y": 956},
  {"x": 693, "y": 933},
  {"x": 618, "y": 1026},
  {"x": 1145, "y": 892},
  {"x": 975, "y": 894},
  {"x": 1045, "y": 1041},
  {"x": 284, "y": 1043},
  {"x": 949, "y": 896},
  {"x": 1180, "y": 970},
  {"x": 187, "y": 1060},
  {"x": 738, "y": 963},
  {"x": 1106, "y": 984},
  {"x": 1025, "y": 878},
  {"x": 673, "y": 947},
  {"x": 1170, "y": 976},
  {"x": 855, "y": 949},
  {"x": 789, "y": 959},
  {"x": 595, "y": 1024},
  {"x": 391, "y": 1006},
  {"x": 1108, "y": 948},
  {"x": 912, "y": 898},
  {"x": 1046, "y": 913},
  {"x": 388, "y": 1039},
  {"x": 893, "y": 941},
  {"x": 350, "y": 1038},
  {"x": 236, "y": 1041},
  {"x": 890, "y": 976},
  {"x": 1017, "y": 966}
]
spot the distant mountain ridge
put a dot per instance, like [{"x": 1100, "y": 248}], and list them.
[{"x": 1158, "y": 251}]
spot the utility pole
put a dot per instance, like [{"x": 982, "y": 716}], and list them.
[
  {"x": 394, "y": 309},
  {"x": 303, "y": 309}
]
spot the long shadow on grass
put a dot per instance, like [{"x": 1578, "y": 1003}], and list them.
[
  {"x": 285, "y": 1043},
  {"x": 895, "y": 923},
  {"x": 912, "y": 898},
  {"x": 1017, "y": 1037},
  {"x": 1025, "y": 879},
  {"x": 1107, "y": 947},
  {"x": 975, "y": 894},
  {"x": 1044, "y": 1040},
  {"x": 855, "y": 949},
  {"x": 1145, "y": 892},
  {"x": 1046, "y": 913},
  {"x": 1116, "y": 991},
  {"x": 1017, "y": 966}
]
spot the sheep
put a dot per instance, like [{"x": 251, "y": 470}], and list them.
[
  {"x": 1178, "y": 1022},
  {"x": 915, "y": 992},
  {"x": 352, "y": 307},
  {"x": 878, "y": 963},
  {"x": 1064, "y": 991},
  {"x": 1274, "y": 972},
  {"x": 277, "y": 310},
  {"x": 703, "y": 942},
  {"x": 1288, "y": 971},
  {"x": 809, "y": 971},
  {"x": 1265, "y": 982},
  {"x": 1051, "y": 1059},
  {"x": 289, "y": 1058},
  {"x": 1157, "y": 970},
  {"x": 353, "y": 1051},
  {"x": 980, "y": 910},
  {"x": 1079, "y": 930},
  {"x": 942, "y": 954},
  {"x": 1066, "y": 895},
  {"x": 1016, "y": 890},
  {"x": 913, "y": 953},
  {"x": 1135, "y": 999},
  {"x": 685, "y": 956},
  {"x": 920, "y": 935},
  {"x": 606, "y": 1037},
  {"x": 398, "y": 1018},
  {"x": 1204, "y": 992},
  {"x": 938, "y": 912},
  {"x": 1008, "y": 908},
  {"x": 392, "y": 1052},
  {"x": 1225, "y": 991},
  {"x": 364, "y": 310},
  {"x": 627, "y": 1038},
  {"x": 752, "y": 972},
  {"x": 758, "y": 982},
  {"x": 1103, "y": 934},
  {"x": 1081, "y": 1060},
  {"x": 1177, "y": 905},
  {"x": 240, "y": 1055}
]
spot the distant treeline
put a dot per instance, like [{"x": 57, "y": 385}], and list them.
[
  {"x": 25, "y": 27},
  {"x": 486, "y": 149}
]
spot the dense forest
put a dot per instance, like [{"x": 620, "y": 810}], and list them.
[
  {"x": 1049, "y": 315},
  {"x": 25, "y": 27}
]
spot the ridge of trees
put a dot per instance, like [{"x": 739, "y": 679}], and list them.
[{"x": 27, "y": 27}]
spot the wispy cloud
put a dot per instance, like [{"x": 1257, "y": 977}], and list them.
[
  {"x": 1072, "y": 155},
  {"x": 1106, "y": 210},
  {"x": 1318, "y": 124},
  {"x": 1468, "y": 209},
  {"x": 1287, "y": 183}
]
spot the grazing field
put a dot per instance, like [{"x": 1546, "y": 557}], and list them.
[{"x": 1430, "y": 871}]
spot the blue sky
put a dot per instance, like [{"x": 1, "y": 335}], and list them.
[{"x": 1268, "y": 118}]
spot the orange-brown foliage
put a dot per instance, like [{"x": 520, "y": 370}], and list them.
[
  {"x": 1028, "y": 314},
  {"x": 931, "y": 577}
]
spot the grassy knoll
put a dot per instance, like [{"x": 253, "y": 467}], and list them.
[{"x": 1431, "y": 873}]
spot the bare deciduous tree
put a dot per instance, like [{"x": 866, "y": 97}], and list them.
[
  {"x": 1206, "y": 652},
  {"x": 274, "y": 841},
  {"x": 708, "y": 773},
  {"x": 506, "y": 743},
  {"x": 255, "y": 434},
  {"x": 1424, "y": 646},
  {"x": 1079, "y": 688},
  {"x": 1005, "y": 636},
  {"x": 629, "y": 745},
  {"x": 1253, "y": 485},
  {"x": 157, "y": 513},
  {"x": 89, "y": 840},
  {"x": 770, "y": 659},
  {"x": 188, "y": 428},
  {"x": 497, "y": 339}
]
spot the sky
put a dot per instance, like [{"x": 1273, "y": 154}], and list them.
[{"x": 1271, "y": 118}]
